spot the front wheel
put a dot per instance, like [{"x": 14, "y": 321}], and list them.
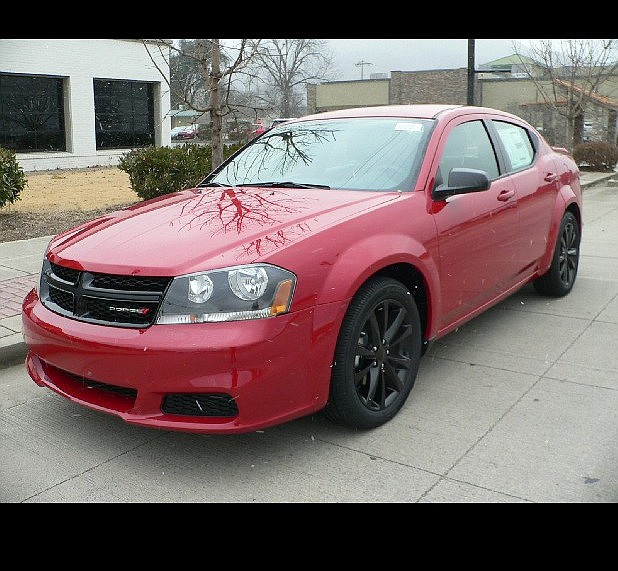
[
  {"x": 559, "y": 279},
  {"x": 377, "y": 355}
]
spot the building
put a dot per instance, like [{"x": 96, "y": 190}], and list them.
[
  {"x": 447, "y": 86},
  {"x": 81, "y": 103},
  {"x": 503, "y": 84}
]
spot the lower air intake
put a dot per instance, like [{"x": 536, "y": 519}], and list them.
[{"x": 200, "y": 404}]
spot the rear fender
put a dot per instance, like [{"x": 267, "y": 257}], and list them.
[{"x": 565, "y": 198}]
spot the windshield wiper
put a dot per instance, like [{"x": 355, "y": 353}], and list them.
[
  {"x": 285, "y": 184},
  {"x": 205, "y": 184}
]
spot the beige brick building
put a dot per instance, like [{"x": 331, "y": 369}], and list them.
[{"x": 500, "y": 88}]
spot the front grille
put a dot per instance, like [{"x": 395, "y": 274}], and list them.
[
  {"x": 90, "y": 384},
  {"x": 200, "y": 404},
  {"x": 112, "y": 312},
  {"x": 61, "y": 298},
  {"x": 108, "y": 299},
  {"x": 129, "y": 283},
  {"x": 66, "y": 274}
]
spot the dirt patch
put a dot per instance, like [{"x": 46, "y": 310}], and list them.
[{"x": 54, "y": 201}]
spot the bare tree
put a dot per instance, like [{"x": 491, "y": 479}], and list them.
[
  {"x": 286, "y": 65},
  {"x": 570, "y": 77},
  {"x": 216, "y": 73}
]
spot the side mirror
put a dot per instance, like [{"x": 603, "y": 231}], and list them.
[{"x": 462, "y": 181}]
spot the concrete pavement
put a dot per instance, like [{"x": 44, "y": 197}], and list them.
[{"x": 518, "y": 405}]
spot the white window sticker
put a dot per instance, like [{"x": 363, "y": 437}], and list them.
[{"x": 415, "y": 127}]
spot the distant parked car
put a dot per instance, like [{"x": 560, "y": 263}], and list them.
[
  {"x": 174, "y": 132},
  {"x": 258, "y": 129},
  {"x": 189, "y": 132},
  {"x": 308, "y": 272}
]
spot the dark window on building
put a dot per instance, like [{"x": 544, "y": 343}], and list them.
[
  {"x": 31, "y": 113},
  {"x": 124, "y": 114}
]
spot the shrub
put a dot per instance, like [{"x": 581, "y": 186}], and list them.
[
  {"x": 12, "y": 177},
  {"x": 155, "y": 171},
  {"x": 596, "y": 155}
]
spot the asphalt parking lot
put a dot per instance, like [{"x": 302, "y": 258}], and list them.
[{"x": 519, "y": 405}]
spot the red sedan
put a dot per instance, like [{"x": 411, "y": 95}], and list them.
[{"x": 307, "y": 273}]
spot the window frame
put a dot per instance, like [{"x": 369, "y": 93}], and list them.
[
  {"x": 458, "y": 122},
  {"x": 534, "y": 142}
]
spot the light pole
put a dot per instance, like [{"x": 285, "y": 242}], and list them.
[
  {"x": 362, "y": 64},
  {"x": 470, "y": 72}
]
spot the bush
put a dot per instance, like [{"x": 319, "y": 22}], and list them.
[
  {"x": 596, "y": 155},
  {"x": 155, "y": 171},
  {"x": 12, "y": 177}
]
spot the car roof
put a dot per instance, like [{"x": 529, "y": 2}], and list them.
[{"x": 420, "y": 111}]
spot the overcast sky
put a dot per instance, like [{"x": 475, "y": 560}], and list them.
[{"x": 412, "y": 55}]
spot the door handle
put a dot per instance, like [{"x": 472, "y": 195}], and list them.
[
  {"x": 551, "y": 177},
  {"x": 505, "y": 195}
]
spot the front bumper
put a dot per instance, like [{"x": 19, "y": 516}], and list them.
[{"x": 274, "y": 370}]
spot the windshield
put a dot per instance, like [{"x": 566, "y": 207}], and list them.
[{"x": 377, "y": 153}]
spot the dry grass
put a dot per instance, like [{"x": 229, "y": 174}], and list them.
[
  {"x": 54, "y": 201},
  {"x": 77, "y": 189}
]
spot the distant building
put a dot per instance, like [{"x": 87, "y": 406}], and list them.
[
  {"x": 81, "y": 103},
  {"x": 186, "y": 117},
  {"x": 503, "y": 84}
]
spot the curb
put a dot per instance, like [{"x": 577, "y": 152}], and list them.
[
  {"x": 600, "y": 179},
  {"x": 13, "y": 354}
]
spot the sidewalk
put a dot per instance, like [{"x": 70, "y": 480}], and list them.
[{"x": 20, "y": 263}]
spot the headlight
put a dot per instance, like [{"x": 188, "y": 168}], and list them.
[{"x": 254, "y": 291}]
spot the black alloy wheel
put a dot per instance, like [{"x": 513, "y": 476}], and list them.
[
  {"x": 560, "y": 278},
  {"x": 377, "y": 355}
]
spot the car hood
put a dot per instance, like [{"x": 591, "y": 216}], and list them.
[{"x": 205, "y": 228}]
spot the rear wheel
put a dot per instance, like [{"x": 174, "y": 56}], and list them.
[
  {"x": 560, "y": 277},
  {"x": 377, "y": 355}
]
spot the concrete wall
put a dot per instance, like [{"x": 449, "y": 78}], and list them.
[{"x": 78, "y": 62}]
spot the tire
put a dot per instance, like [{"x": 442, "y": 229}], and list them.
[
  {"x": 559, "y": 279},
  {"x": 376, "y": 357}
]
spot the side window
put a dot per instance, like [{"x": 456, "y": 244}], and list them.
[
  {"x": 468, "y": 146},
  {"x": 516, "y": 143}
]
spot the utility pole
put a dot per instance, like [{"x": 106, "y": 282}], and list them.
[
  {"x": 471, "y": 72},
  {"x": 362, "y": 64}
]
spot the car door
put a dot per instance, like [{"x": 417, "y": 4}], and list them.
[
  {"x": 477, "y": 232},
  {"x": 536, "y": 180}
]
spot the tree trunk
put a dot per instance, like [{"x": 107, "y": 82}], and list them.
[
  {"x": 612, "y": 126},
  {"x": 578, "y": 129},
  {"x": 570, "y": 129},
  {"x": 285, "y": 102},
  {"x": 216, "y": 117}
]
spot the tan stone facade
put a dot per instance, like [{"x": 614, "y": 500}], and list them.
[
  {"x": 447, "y": 86},
  {"x": 519, "y": 96}
]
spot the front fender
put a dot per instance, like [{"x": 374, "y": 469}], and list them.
[{"x": 367, "y": 256}]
